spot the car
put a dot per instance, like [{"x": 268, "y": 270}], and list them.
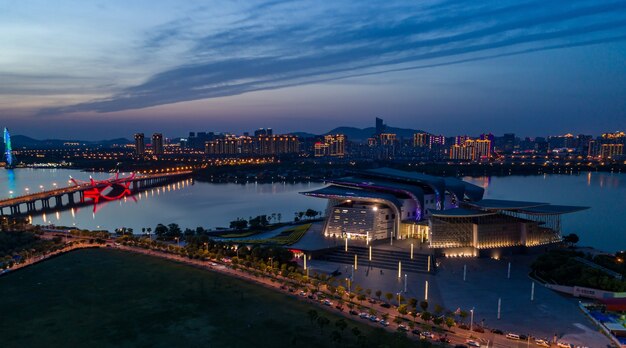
[
  {"x": 472, "y": 343},
  {"x": 402, "y": 327},
  {"x": 416, "y": 332},
  {"x": 373, "y": 318},
  {"x": 541, "y": 342},
  {"x": 562, "y": 344},
  {"x": 512, "y": 336},
  {"x": 384, "y": 323},
  {"x": 523, "y": 337},
  {"x": 364, "y": 315},
  {"x": 427, "y": 334},
  {"x": 353, "y": 312},
  {"x": 213, "y": 264},
  {"x": 385, "y": 305},
  {"x": 327, "y": 303},
  {"x": 497, "y": 331},
  {"x": 302, "y": 293}
]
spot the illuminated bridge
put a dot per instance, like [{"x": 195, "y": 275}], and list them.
[{"x": 95, "y": 191}]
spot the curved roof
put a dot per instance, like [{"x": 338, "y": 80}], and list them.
[
  {"x": 414, "y": 191},
  {"x": 460, "y": 212},
  {"x": 553, "y": 209},
  {"x": 500, "y": 204},
  {"x": 334, "y": 191}
]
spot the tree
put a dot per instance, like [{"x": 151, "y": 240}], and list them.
[
  {"x": 322, "y": 322},
  {"x": 426, "y": 316},
  {"x": 388, "y": 296},
  {"x": 361, "y": 298},
  {"x": 463, "y": 315},
  {"x": 341, "y": 324},
  {"x": 239, "y": 224},
  {"x": 402, "y": 309},
  {"x": 161, "y": 231},
  {"x": 174, "y": 231},
  {"x": 424, "y": 305},
  {"x": 335, "y": 336},
  {"x": 310, "y": 213},
  {"x": 438, "y": 309},
  {"x": 571, "y": 239},
  {"x": 378, "y": 294},
  {"x": 368, "y": 292},
  {"x": 438, "y": 320},
  {"x": 450, "y": 322},
  {"x": 413, "y": 303},
  {"x": 312, "y": 315}
]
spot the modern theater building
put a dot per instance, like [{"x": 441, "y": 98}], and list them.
[{"x": 448, "y": 214}]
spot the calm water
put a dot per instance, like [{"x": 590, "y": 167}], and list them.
[
  {"x": 187, "y": 203},
  {"x": 214, "y": 205},
  {"x": 603, "y": 226}
]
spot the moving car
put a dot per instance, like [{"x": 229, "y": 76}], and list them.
[
  {"x": 512, "y": 336},
  {"x": 472, "y": 343},
  {"x": 541, "y": 342}
]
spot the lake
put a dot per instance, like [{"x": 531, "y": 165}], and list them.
[{"x": 192, "y": 204}]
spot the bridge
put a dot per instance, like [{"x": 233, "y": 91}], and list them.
[{"x": 110, "y": 189}]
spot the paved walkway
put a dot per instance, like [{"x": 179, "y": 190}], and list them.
[{"x": 486, "y": 281}]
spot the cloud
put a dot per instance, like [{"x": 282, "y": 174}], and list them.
[{"x": 288, "y": 44}]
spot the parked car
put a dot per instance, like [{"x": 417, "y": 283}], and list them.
[
  {"x": 472, "y": 343},
  {"x": 416, "y": 332},
  {"x": 562, "y": 344},
  {"x": 385, "y": 305},
  {"x": 427, "y": 335},
  {"x": 497, "y": 331},
  {"x": 541, "y": 342},
  {"x": 353, "y": 312},
  {"x": 384, "y": 323},
  {"x": 513, "y": 336},
  {"x": 373, "y": 318},
  {"x": 402, "y": 327},
  {"x": 364, "y": 315},
  {"x": 327, "y": 303}
]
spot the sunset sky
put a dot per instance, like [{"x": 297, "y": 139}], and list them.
[{"x": 94, "y": 70}]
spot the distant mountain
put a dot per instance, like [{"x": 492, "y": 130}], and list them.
[{"x": 19, "y": 141}]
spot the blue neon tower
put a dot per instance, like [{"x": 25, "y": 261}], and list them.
[{"x": 8, "y": 151}]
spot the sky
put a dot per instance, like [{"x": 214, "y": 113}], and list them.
[{"x": 94, "y": 70}]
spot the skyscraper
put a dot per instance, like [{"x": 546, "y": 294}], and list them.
[
  {"x": 140, "y": 144},
  {"x": 157, "y": 144},
  {"x": 421, "y": 140},
  {"x": 380, "y": 126}
]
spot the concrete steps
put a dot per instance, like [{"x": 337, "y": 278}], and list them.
[{"x": 381, "y": 258}]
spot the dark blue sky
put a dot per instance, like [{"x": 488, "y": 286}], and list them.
[{"x": 452, "y": 67}]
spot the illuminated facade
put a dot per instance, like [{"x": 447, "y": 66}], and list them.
[
  {"x": 258, "y": 145},
  {"x": 157, "y": 144},
  {"x": 140, "y": 144},
  {"x": 333, "y": 145},
  {"x": 421, "y": 140},
  {"x": 448, "y": 214},
  {"x": 610, "y": 151}
]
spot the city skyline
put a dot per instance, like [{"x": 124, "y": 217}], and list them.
[{"x": 529, "y": 68}]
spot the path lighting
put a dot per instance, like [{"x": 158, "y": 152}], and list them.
[
  {"x": 471, "y": 319},
  {"x": 399, "y": 269}
]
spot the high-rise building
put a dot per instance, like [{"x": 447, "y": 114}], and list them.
[
  {"x": 380, "y": 126},
  {"x": 610, "y": 151},
  {"x": 482, "y": 149},
  {"x": 157, "y": 144},
  {"x": 471, "y": 150},
  {"x": 140, "y": 144},
  {"x": 333, "y": 145},
  {"x": 460, "y": 139},
  {"x": 263, "y": 131},
  {"x": 421, "y": 140},
  {"x": 509, "y": 142},
  {"x": 437, "y": 140},
  {"x": 491, "y": 138}
]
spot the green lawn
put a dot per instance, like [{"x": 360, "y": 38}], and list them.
[
  {"x": 287, "y": 237},
  {"x": 96, "y": 298}
]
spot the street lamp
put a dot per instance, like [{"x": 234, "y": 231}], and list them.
[{"x": 471, "y": 319}]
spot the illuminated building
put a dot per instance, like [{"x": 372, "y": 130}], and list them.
[
  {"x": 471, "y": 150},
  {"x": 447, "y": 213},
  {"x": 437, "y": 140},
  {"x": 333, "y": 145},
  {"x": 157, "y": 144},
  {"x": 261, "y": 145},
  {"x": 610, "y": 151},
  {"x": 421, "y": 140},
  {"x": 140, "y": 144}
]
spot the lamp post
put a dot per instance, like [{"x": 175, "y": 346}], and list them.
[
  {"x": 471, "y": 319},
  {"x": 370, "y": 253},
  {"x": 411, "y": 251},
  {"x": 399, "y": 269},
  {"x": 346, "y": 248},
  {"x": 426, "y": 291},
  {"x": 355, "y": 262},
  {"x": 405, "y": 282}
]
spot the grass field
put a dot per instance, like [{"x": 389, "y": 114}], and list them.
[
  {"x": 287, "y": 237},
  {"x": 100, "y": 298}
]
